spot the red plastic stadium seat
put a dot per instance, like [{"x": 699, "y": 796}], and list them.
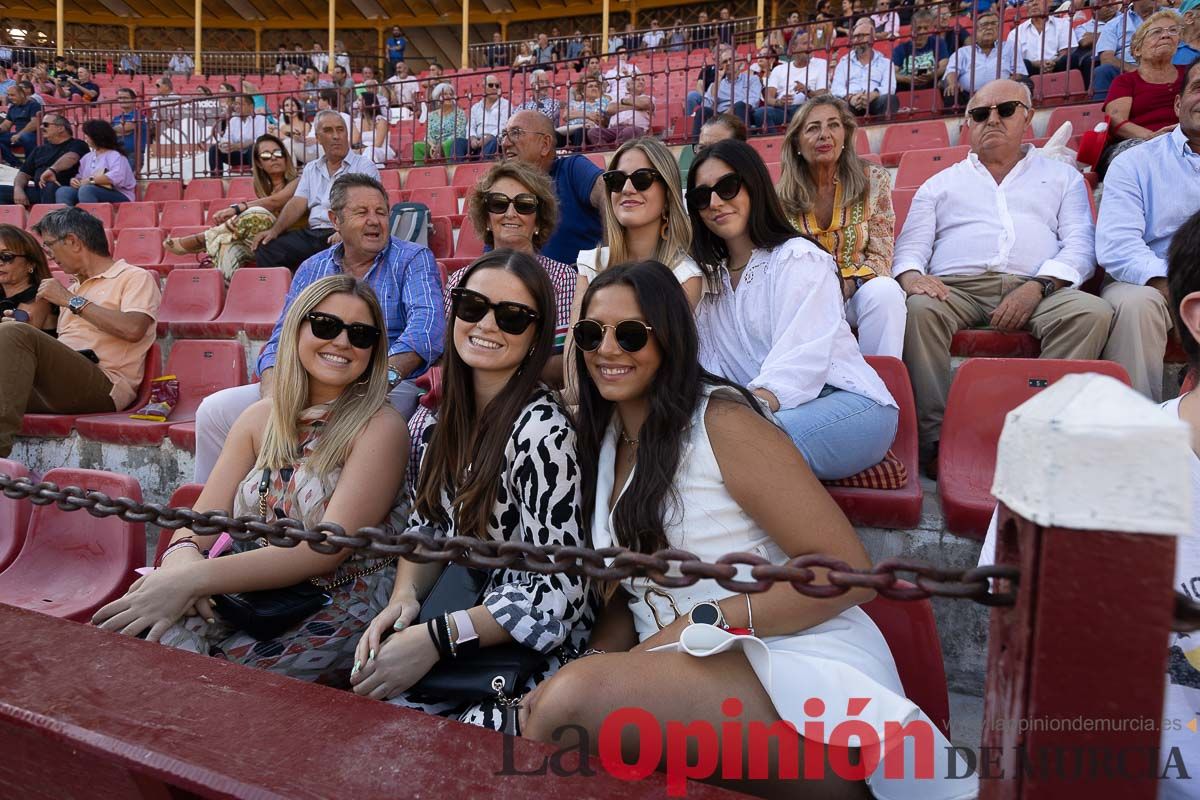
[
  {"x": 911, "y": 634},
  {"x": 918, "y": 166},
  {"x": 252, "y": 304},
  {"x": 13, "y": 215},
  {"x": 187, "y": 495},
  {"x": 73, "y": 563},
  {"x": 901, "y": 200},
  {"x": 204, "y": 189},
  {"x": 469, "y": 244},
  {"x": 101, "y": 211},
  {"x": 140, "y": 246},
  {"x": 40, "y": 210},
  {"x": 442, "y": 202},
  {"x": 991, "y": 343},
  {"x": 14, "y": 515},
  {"x": 390, "y": 178},
  {"x": 466, "y": 176},
  {"x": 176, "y": 213},
  {"x": 61, "y": 425},
  {"x": 183, "y": 436},
  {"x": 983, "y": 392},
  {"x": 202, "y": 367},
  {"x": 159, "y": 191},
  {"x": 431, "y": 382},
  {"x": 1054, "y": 86},
  {"x": 862, "y": 144},
  {"x": 1082, "y": 119},
  {"x": 136, "y": 215},
  {"x": 170, "y": 259},
  {"x": 599, "y": 159},
  {"x": 889, "y": 508},
  {"x": 426, "y": 178},
  {"x": 240, "y": 186},
  {"x": 900, "y": 139},
  {"x": 441, "y": 240},
  {"x": 767, "y": 147},
  {"x": 190, "y": 295}
]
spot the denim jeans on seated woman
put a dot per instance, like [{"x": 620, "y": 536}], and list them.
[
  {"x": 88, "y": 193},
  {"x": 840, "y": 433}
]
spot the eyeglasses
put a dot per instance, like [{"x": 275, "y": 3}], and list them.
[
  {"x": 632, "y": 335},
  {"x": 328, "y": 327},
  {"x": 49, "y": 244},
  {"x": 7, "y": 257},
  {"x": 642, "y": 179},
  {"x": 1006, "y": 109},
  {"x": 700, "y": 197},
  {"x": 524, "y": 203},
  {"x": 492, "y": 85},
  {"x": 513, "y": 134},
  {"x": 510, "y": 317},
  {"x": 271, "y": 155},
  {"x": 1158, "y": 33}
]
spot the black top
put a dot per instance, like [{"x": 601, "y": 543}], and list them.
[
  {"x": 11, "y": 303},
  {"x": 45, "y": 154}
]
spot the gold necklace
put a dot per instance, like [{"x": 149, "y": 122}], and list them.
[{"x": 628, "y": 441}]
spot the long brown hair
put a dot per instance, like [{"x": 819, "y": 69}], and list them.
[
  {"x": 262, "y": 182},
  {"x": 15, "y": 240},
  {"x": 797, "y": 189},
  {"x": 466, "y": 451}
]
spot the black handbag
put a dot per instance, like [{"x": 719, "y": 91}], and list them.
[
  {"x": 495, "y": 672},
  {"x": 267, "y": 613}
]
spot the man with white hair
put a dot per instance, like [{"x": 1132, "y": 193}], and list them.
[
  {"x": 488, "y": 118},
  {"x": 541, "y": 100},
  {"x": 280, "y": 246},
  {"x": 865, "y": 78},
  {"x": 1001, "y": 239},
  {"x": 792, "y": 82}
]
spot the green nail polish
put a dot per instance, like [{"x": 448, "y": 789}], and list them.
[
  {"x": 354, "y": 671},
  {"x": 371, "y": 656},
  {"x": 399, "y": 625}
]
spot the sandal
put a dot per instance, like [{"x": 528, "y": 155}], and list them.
[{"x": 178, "y": 246}]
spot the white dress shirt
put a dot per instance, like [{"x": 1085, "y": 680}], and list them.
[
  {"x": 315, "y": 183},
  {"x": 619, "y": 80},
  {"x": 241, "y": 132},
  {"x": 1027, "y": 44},
  {"x": 976, "y": 68},
  {"x": 785, "y": 76},
  {"x": 489, "y": 121},
  {"x": 851, "y": 76},
  {"x": 1037, "y": 221},
  {"x": 887, "y": 23},
  {"x": 784, "y": 328}
]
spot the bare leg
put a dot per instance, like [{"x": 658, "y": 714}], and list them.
[{"x": 676, "y": 688}]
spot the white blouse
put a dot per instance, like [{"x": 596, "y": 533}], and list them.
[
  {"x": 784, "y": 328},
  {"x": 591, "y": 262}
]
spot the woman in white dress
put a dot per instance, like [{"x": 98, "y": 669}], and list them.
[
  {"x": 644, "y": 218},
  {"x": 372, "y": 129},
  {"x": 775, "y": 320},
  {"x": 674, "y": 457}
]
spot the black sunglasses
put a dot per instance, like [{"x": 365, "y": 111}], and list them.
[
  {"x": 511, "y": 317},
  {"x": 7, "y": 257},
  {"x": 1005, "y": 110},
  {"x": 327, "y": 327},
  {"x": 700, "y": 197},
  {"x": 632, "y": 335},
  {"x": 498, "y": 203},
  {"x": 642, "y": 179}
]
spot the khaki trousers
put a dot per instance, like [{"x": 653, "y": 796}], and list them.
[
  {"x": 1139, "y": 334},
  {"x": 1069, "y": 324},
  {"x": 39, "y": 374}
]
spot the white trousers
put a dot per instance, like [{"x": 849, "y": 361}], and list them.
[
  {"x": 219, "y": 410},
  {"x": 879, "y": 312}
]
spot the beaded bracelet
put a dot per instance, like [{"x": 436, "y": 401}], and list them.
[{"x": 177, "y": 546}]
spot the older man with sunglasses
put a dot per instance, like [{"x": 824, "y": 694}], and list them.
[
  {"x": 405, "y": 279},
  {"x": 998, "y": 240},
  {"x": 50, "y": 165}
]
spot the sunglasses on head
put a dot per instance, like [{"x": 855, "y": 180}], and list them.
[
  {"x": 510, "y": 317},
  {"x": 327, "y": 327},
  {"x": 700, "y": 197},
  {"x": 632, "y": 335},
  {"x": 7, "y": 257},
  {"x": 1005, "y": 110},
  {"x": 524, "y": 203},
  {"x": 271, "y": 155},
  {"x": 642, "y": 179}
]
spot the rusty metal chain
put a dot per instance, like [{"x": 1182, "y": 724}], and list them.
[{"x": 990, "y": 586}]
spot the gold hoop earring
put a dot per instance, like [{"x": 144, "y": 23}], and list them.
[{"x": 363, "y": 383}]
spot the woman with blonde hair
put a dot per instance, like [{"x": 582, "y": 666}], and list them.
[
  {"x": 228, "y": 242},
  {"x": 644, "y": 218},
  {"x": 845, "y": 204},
  {"x": 324, "y": 447}
]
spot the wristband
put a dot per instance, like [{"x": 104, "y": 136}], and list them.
[
  {"x": 182, "y": 543},
  {"x": 467, "y": 640}
]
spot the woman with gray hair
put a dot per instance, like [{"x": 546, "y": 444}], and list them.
[
  {"x": 446, "y": 125},
  {"x": 845, "y": 204}
]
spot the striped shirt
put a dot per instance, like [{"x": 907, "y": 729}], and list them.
[
  {"x": 562, "y": 277},
  {"x": 407, "y": 282}
]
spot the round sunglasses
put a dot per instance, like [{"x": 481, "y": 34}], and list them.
[
  {"x": 511, "y": 317},
  {"x": 632, "y": 335},
  {"x": 700, "y": 197},
  {"x": 524, "y": 203},
  {"x": 327, "y": 327},
  {"x": 7, "y": 257},
  {"x": 642, "y": 179},
  {"x": 1006, "y": 109}
]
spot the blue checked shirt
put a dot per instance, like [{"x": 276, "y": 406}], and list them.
[{"x": 407, "y": 282}]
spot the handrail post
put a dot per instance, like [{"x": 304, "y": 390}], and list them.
[{"x": 1094, "y": 484}]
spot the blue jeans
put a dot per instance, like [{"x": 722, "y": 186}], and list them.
[
  {"x": 88, "y": 193},
  {"x": 26, "y": 140},
  {"x": 36, "y": 194},
  {"x": 693, "y": 101},
  {"x": 767, "y": 117},
  {"x": 705, "y": 113},
  {"x": 840, "y": 433},
  {"x": 1102, "y": 77}
]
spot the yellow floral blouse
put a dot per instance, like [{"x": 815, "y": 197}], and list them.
[{"x": 862, "y": 236}]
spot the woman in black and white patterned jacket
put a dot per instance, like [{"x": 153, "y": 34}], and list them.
[{"x": 499, "y": 464}]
